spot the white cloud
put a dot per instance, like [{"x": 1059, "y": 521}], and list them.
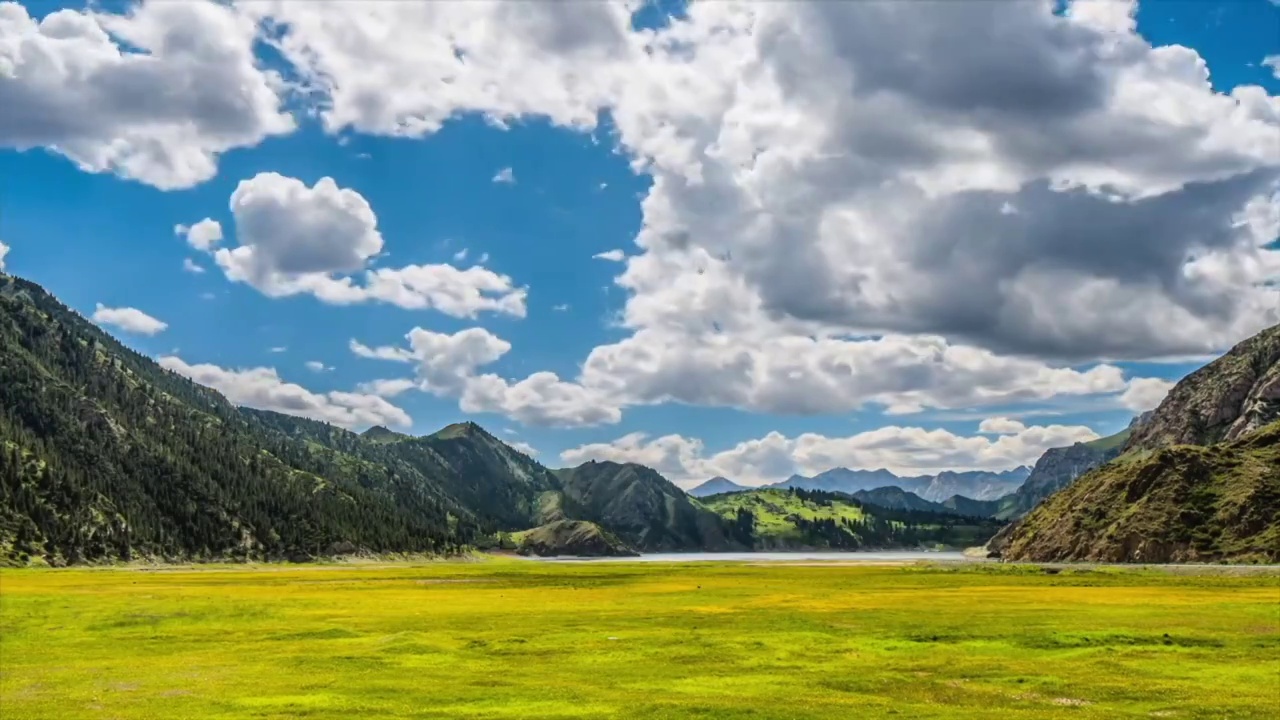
[
  {"x": 202, "y": 236},
  {"x": 449, "y": 366},
  {"x": 318, "y": 367},
  {"x": 460, "y": 255},
  {"x": 524, "y": 447},
  {"x": 262, "y": 388},
  {"x": 293, "y": 239},
  {"x": 1145, "y": 393},
  {"x": 1273, "y": 62},
  {"x": 1001, "y": 426},
  {"x": 191, "y": 266},
  {"x": 835, "y": 217},
  {"x": 155, "y": 94},
  {"x": 562, "y": 307},
  {"x": 128, "y": 319},
  {"x": 843, "y": 186},
  {"x": 277, "y": 349},
  {"x": 4, "y": 251},
  {"x": 903, "y": 450},
  {"x": 387, "y": 388},
  {"x": 614, "y": 255},
  {"x": 506, "y": 176}
]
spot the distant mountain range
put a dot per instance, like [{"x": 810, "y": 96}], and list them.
[{"x": 975, "y": 484}]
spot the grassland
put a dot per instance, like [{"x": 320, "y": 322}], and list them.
[{"x": 519, "y": 639}]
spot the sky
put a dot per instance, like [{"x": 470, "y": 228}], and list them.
[{"x": 723, "y": 238}]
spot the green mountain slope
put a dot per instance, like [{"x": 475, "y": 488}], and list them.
[
  {"x": 1179, "y": 504},
  {"x": 1168, "y": 497},
  {"x": 793, "y": 519},
  {"x": 107, "y": 455},
  {"x": 643, "y": 508}
]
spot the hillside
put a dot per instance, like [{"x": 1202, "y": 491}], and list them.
[
  {"x": 643, "y": 508},
  {"x": 577, "y": 538},
  {"x": 796, "y": 519},
  {"x": 107, "y": 455},
  {"x": 1199, "y": 479},
  {"x": 1224, "y": 400},
  {"x": 1182, "y": 503}
]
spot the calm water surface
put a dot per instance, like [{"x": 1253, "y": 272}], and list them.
[{"x": 885, "y": 556}]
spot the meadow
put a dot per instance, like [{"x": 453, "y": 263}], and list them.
[{"x": 507, "y": 638}]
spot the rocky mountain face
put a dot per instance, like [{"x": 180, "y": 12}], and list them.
[
  {"x": 715, "y": 486},
  {"x": 1225, "y": 400},
  {"x": 1199, "y": 479},
  {"x": 1059, "y": 467}
]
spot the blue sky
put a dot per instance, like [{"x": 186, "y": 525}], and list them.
[{"x": 105, "y": 235}]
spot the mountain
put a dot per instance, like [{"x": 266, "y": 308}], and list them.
[
  {"x": 849, "y": 481},
  {"x": 715, "y": 486},
  {"x": 1058, "y": 467},
  {"x": 974, "y": 484},
  {"x": 577, "y": 538},
  {"x": 1182, "y": 503},
  {"x": 104, "y": 454},
  {"x": 798, "y": 519},
  {"x": 894, "y": 498},
  {"x": 380, "y": 434},
  {"x": 968, "y": 507},
  {"x": 643, "y": 508},
  {"x": 1224, "y": 400},
  {"x": 1199, "y": 479}
]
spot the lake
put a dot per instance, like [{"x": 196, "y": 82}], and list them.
[{"x": 844, "y": 557}]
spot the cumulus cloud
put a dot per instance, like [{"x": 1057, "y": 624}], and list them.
[
  {"x": 155, "y": 94},
  {"x": 1001, "y": 426},
  {"x": 191, "y": 266},
  {"x": 128, "y": 319},
  {"x": 836, "y": 219},
  {"x": 903, "y": 450},
  {"x": 1145, "y": 393},
  {"x": 806, "y": 160},
  {"x": 202, "y": 236},
  {"x": 293, "y": 239},
  {"x": 318, "y": 367},
  {"x": 4, "y": 251},
  {"x": 448, "y": 365},
  {"x": 505, "y": 176},
  {"x": 262, "y": 388},
  {"x": 614, "y": 255}
]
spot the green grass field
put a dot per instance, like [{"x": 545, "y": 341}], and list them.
[{"x": 519, "y": 639}]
